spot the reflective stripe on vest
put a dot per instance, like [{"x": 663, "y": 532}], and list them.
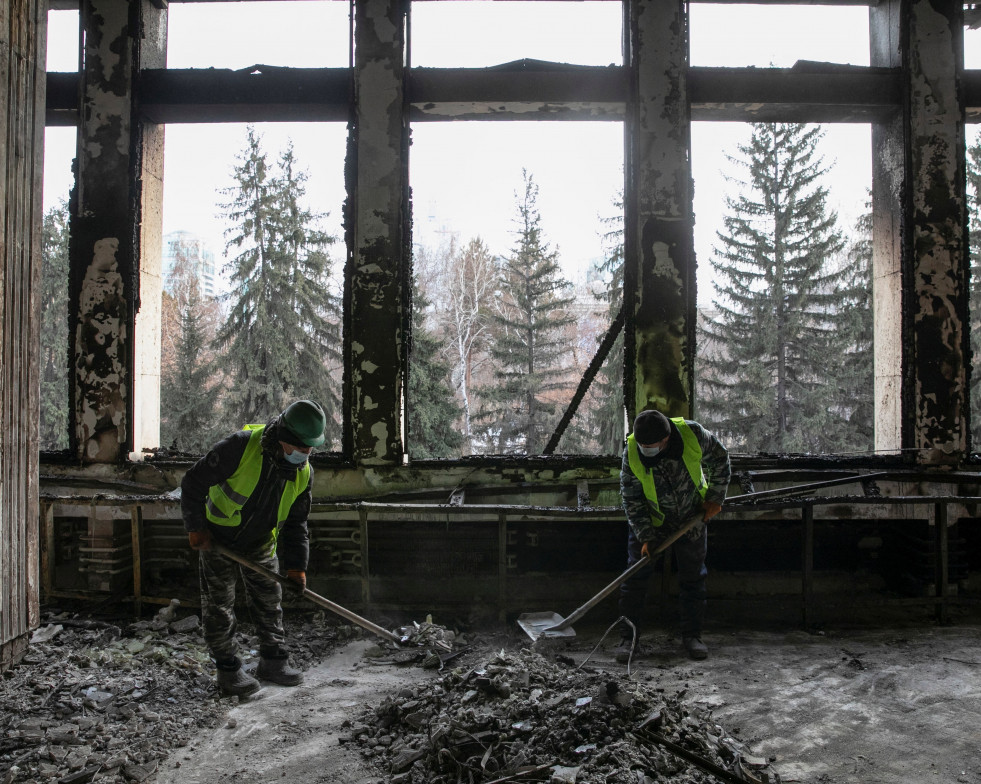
[
  {"x": 225, "y": 501},
  {"x": 691, "y": 456}
]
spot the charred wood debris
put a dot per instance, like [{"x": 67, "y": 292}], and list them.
[
  {"x": 97, "y": 701},
  {"x": 526, "y": 714}
]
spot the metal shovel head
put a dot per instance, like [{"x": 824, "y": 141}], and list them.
[{"x": 539, "y": 624}]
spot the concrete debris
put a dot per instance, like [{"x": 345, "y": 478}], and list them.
[
  {"x": 97, "y": 702},
  {"x": 521, "y": 716}
]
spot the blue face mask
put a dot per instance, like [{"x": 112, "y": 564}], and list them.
[
  {"x": 296, "y": 457},
  {"x": 649, "y": 451}
]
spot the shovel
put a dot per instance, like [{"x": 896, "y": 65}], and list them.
[
  {"x": 546, "y": 624},
  {"x": 316, "y": 598}
]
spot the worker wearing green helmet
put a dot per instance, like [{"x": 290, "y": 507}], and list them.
[{"x": 251, "y": 494}]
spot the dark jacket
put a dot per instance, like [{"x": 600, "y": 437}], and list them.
[
  {"x": 677, "y": 495},
  {"x": 259, "y": 512}
]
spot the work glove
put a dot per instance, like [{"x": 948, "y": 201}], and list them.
[
  {"x": 648, "y": 548},
  {"x": 200, "y": 540},
  {"x": 298, "y": 576},
  {"x": 711, "y": 509}
]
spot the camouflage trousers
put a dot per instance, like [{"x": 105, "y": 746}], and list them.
[
  {"x": 263, "y": 596},
  {"x": 689, "y": 555}
]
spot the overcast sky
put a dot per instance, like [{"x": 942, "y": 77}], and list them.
[{"x": 465, "y": 175}]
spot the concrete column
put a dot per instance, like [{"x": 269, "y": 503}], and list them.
[
  {"x": 920, "y": 243},
  {"x": 23, "y": 30},
  {"x": 379, "y": 279},
  {"x": 888, "y": 218},
  {"x": 106, "y": 231},
  {"x": 146, "y": 382},
  {"x": 659, "y": 293}
]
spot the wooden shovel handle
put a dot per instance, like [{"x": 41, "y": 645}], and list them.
[
  {"x": 575, "y": 615},
  {"x": 316, "y": 598}
]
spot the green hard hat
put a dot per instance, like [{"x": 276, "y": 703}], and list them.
[{"x": 305, "y": 420}]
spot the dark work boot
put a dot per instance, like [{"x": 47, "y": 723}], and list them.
[
  {"x": 695, "y": 647},
  {"x": 279, "y": 671},
  {"x": 237, "y": 683}
]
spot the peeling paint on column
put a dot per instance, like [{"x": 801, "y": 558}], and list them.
[
  {"x": 100, "y": 338},
  {"x": 659, "y": 132},
  {"x": 378, "y": 270},
  {"x": 939, "y": 250},
  {"x": 104, "y": 247}
]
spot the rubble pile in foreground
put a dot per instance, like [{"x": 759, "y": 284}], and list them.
[
  {"x": 520, "y": 717},
  {"x": 97, "y": 702}
]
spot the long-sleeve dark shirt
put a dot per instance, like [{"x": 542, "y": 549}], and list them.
[
  {"x": 260, "y": 510},
  {"x": 677, "y": 496}
]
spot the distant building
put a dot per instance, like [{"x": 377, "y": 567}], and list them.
[{"x": 198, "y": 253}]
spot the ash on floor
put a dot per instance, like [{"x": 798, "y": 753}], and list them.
[{"x": 106, "y": 700}]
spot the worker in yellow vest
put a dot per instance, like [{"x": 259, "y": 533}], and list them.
[
  {"x": 672, "y": 469},
  {"x": 251, "y": 493}
]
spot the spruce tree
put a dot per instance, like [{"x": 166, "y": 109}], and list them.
[
  {"x": 974, "y": 224},
  {"x": 53, "y": 432},
  {"x": 854, "y": 387},
  {"x": 771, "y": 352},
  {"x": 282, "y": 330},
  {"x": 527, "y": 344},
  {"x": 189, "y": 380},
  {"x": 609, "y": 415},
  {"x": 434, "y": 413},
  {"x": 315, "y": 309}
]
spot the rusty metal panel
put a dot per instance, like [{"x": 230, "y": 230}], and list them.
[
  {"x": 660, "y": 260},
  {"x": 23, "y": 26}
]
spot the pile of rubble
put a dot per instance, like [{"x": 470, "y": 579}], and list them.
[
  {"x": 101, "y": 702},
  {"x": 522, "y": 717}
]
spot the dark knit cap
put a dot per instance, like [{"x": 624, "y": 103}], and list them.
[{"x": 651, "y": 427}]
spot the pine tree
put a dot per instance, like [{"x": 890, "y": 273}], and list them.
[
  {"x": 527, "y": 345},
  {"x": 771, "y": 353},
  {"x": 974, "y": 223},
  {"x": 189, "y": 379},
  {"x": 53, "y": 432},
  {"x": 282, "y": 330},
  {"x": 434, "y": 413}
]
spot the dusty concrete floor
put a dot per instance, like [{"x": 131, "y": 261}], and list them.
[{"x": 877, "y": 707}]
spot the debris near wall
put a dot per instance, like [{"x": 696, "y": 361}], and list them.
[
  {"x": 521, "y": 717},
  {"x": 97, "y": 701}
]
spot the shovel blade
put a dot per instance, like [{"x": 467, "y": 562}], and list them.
[{"x": 539, "y": 624}]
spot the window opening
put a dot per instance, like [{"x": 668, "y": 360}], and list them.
[
  {"x": 480, "y": 33},
  {"x": 59, "y": 152},
  {"x": 252, "y": 275},
  {"x": 62, "y": 54},
  {"x": 784, "y": 349},
  {"x": 972, "y": 47},
  {"x": 308, "y": 34},
  {"x": 510, "y": 258},
  {"x": 728, "y": 35}
]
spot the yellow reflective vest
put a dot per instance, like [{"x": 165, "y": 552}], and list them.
[
  {"x": 225, "y": 501},
  {"x": 691, "y": 456}
]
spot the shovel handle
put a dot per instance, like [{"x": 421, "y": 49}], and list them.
[
  {"x": 575, "y": 615},
  {"x": 316, "y": 598}
]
